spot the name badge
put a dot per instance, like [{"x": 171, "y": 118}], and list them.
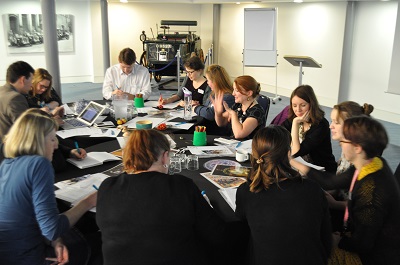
[{"x": 201, "y": 91}]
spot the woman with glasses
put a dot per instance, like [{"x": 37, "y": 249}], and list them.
[
  {"x": 339, "y": 114},
  {"x": 195, "y": 82},
  {"x": 246, "y": 116},
  {"x": 372, "y": 218},
  {"x": 42, "y": 94}
]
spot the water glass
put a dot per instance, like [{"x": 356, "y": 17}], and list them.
[
  {"x": 182, "y": 157},
  {"x": 174, "y": 165},
  {"x": 192, "y": 162}
]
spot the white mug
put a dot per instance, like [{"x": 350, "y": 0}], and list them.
[{"x": 241, "y": 157}]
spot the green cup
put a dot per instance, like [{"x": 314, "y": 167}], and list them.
[
  {"x": 139, "y": 102},
  {"x": 199, "y": 138}
]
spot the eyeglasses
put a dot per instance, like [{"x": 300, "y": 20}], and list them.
[
  {"x": 43, "y": 86},
  {"x": 190, "y": 72}
]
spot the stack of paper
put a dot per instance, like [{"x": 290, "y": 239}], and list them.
[
  {"x": 79, "y": 189},
  {"x": 211, "y": 151}
]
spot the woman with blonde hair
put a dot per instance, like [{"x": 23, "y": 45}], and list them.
[
  {"x": 149, "y": 217},
  {"x": 29, "y": 214},
  {"x": 288, "y": 217},
  {"x": 42, "y": 94},
  {"x": 219, "y": 82},
  {"x": 246, "y": 116}
]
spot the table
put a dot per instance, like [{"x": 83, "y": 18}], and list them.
[
  {"x": 182, "y": 140},
  {"x": 239, "y": 233}
]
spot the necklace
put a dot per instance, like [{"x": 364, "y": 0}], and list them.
[{"x": 242, "y": 114}]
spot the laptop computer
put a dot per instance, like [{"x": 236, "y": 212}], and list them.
[{"x": 86, "y": 118}]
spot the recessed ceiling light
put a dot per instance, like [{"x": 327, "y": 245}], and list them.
[
  {"x": 238, "y": 3},
  {"x": 298, "y": 1},
  {"x": 123, "y": 1}
]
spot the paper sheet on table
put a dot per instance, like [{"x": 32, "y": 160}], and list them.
[
  {"x": 229, "y": 196},
  {"x": 76, "y": 192},
  {"x": 156, "y": 121},
  {"x": 245, "y": 146},
  {"x": 301, "y": 160},
  {"x": 144, "y": 109},
  {"x": 179, "y": 125},
  {"x": 211, "y": 151},
  {"x": 68, "y": 110},
  {"x": 122, "y": 141},
  {"x": 153, "y": 103},
  {"x": 106, "y": 133},
  {"x": 77, "y": 132}
]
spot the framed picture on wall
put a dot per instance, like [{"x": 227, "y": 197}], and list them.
[{"x": 24, "y": 33}]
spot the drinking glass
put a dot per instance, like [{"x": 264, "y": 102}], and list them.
[
  {"x": 174, "y": 165},
  {"x": 182, "y": 157},
  {"x": 192, "y": 162}
]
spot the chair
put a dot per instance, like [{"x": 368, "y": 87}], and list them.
[
  {"x": 281, "y": 117},
  {"x": 397, "y": 174},
  {"x": 265, "y": 103}
]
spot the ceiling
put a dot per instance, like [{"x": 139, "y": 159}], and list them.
[{"x": 229, "y": 1}]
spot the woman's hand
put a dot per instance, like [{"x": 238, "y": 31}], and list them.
[
  {"x": 78, "y": 155},
  {"x": 218, "y": 102},
  {"x": 195, "y": 103},
  {"x": 181, "y": 103},
  {"x": 304, "y": 118},
  {"x": 61, "y": 251}
]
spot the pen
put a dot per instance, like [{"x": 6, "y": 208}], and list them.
[
  {"x": 77, "y": 147},
  {"x": 117, "y": 87},
  {"x": 238, "y": 145},
  {"x": 95, "y": 187},
  {"x": 203, "y": 192}
]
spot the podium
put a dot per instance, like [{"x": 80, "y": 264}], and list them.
[{"x": 302, "y": 61}]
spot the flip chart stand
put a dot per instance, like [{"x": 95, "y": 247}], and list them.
[{"x": 302, "y": 61}]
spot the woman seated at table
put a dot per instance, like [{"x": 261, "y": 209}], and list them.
[
  {"x": 42, "y": 94},
  {"x": 195, "y": 82},
  {"x": 339, "y": 114},
  {"x": 246, "y": 116},
  {"x": 372, "y": 220},
  {"x": 218, "y": 80},
  {"x": 149, "y": 217},
  {"x": 29, "y": 214},
  {"x": 310, "y": 132},
  {"x": 288, "y": 216}
]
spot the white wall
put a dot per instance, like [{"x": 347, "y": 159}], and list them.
[
  {"x": 127, "y": 21},
  {"x": 75, "y": 66},
  {"x": 371, "y": 58},
  {"x": 304, "y": 30}
]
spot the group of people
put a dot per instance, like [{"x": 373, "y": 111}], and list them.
[{"x": 149, "y": 217}]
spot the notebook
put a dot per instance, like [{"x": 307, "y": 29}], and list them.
[
  {"x": 86, "y": 118},
  {"x": 93, "y": 159}
]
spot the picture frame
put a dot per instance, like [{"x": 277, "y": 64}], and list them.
[{"x": 24, "y": 33}]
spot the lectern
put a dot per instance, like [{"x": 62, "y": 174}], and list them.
[{"x": 302, "y": 61}]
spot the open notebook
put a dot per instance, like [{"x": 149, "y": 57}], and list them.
[{"x": 93, "y": 159}]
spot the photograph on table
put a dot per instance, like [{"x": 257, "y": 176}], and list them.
[
  {"x": 223, "y": 182},
  {"x": 231, "y": 171},
  {"x": 24, "y": 33}
]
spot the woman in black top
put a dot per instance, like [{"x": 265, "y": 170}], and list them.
[
  {"x": 288, "y": 217},
  {"x": 311, "y": 136},
  {"x": 149, "y": 217}
]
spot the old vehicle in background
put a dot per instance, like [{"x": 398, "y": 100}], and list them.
[
  {"x": 160, "y": 53},
  {"x": 18, "y": 40}
]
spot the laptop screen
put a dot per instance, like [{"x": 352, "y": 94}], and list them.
[{"x": 91, "y": 112}]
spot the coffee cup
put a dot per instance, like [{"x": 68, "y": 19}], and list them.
[
  {"x": 241, "y": 156},
  {"x": 144, "y": 124}
]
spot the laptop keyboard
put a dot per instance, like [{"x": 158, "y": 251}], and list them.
[{"x": 75, "y": 123}]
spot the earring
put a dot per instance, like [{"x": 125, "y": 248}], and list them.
[
  {"x": 165, "y": 166},
  {"x": 248, "y": 99}
]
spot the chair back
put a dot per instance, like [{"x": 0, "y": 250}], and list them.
[{"x": 265, "y": 103}]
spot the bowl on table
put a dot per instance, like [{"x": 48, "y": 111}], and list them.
[{"x": 144, "y": 124}]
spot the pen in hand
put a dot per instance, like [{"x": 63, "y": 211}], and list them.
[
  {"x": 77, "y": 147},
  {"x": 95, "y": 187}
]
